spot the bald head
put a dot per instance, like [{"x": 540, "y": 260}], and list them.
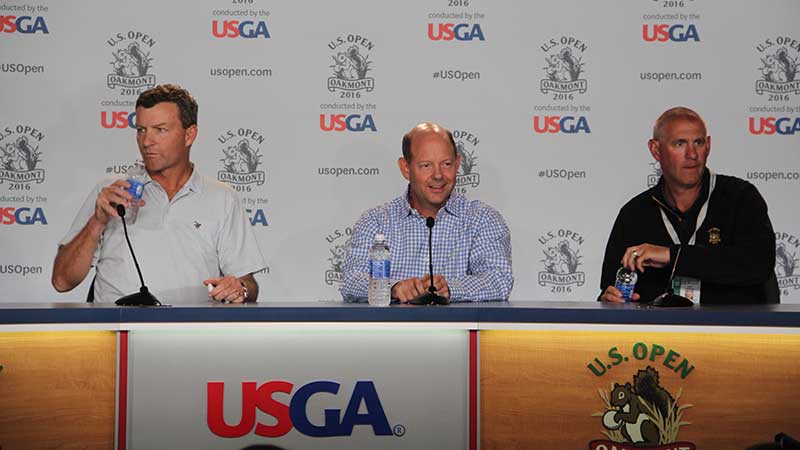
[
  {"x": 673, "y": 114},
  {"x": 426, "y": 128}
]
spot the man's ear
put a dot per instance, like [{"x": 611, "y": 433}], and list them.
[
  {"x": 403, "y": 165},
  {"x": 653, "y": 144},
  {"x": 190, "y": 136}
]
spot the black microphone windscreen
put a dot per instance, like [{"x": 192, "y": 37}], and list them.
[
  {"x": 121, "y": 210},
  {"x": 429, "y": 222}
]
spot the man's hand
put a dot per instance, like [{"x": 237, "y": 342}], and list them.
[
  {"x": 114, "y": 194},
  {"x": 439, "y": 282},
  {"x": 409, "y": 289},
  {"x": 613, "y": 295},
  {"x": 226, "y": 289},
  {"x": 638, "y": 257}
]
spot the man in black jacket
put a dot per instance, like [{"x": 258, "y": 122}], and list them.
[{"x": 713, "y": 229}]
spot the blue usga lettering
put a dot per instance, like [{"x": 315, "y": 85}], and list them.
[
  {"x": 23, "y": 217},
  {"x": 468, "y": 35},
  {"x": 38, "y": 25},
  {"x": 569, "y": 128},
  {"x": 246, "y": 29},
  {"x": 783, "y": 127},
  {"x": 335, "y": 425},
  {"x": 676, "y": 34},
  {"x": 257, "y": 217},
  {"x": 353, "y": 123}
]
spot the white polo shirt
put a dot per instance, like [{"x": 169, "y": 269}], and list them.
[{"x": 201, "y": 233}]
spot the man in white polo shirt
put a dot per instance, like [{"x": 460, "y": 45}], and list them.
[{"x": 191, "y": 236}]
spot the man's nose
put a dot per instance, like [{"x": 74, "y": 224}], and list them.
[{"x": 691, "y": 151}]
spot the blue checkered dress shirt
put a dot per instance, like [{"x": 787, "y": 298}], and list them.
[{"x": 471, "y": 248}]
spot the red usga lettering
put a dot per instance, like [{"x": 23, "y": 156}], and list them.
[
  {"x": 118, "y": 119},
  {"x": 550, "y": 124},
  {"x": 230, "y": 28},
  {"x": 7, "y": 216},
  {"x": 252, "y": 397},
  {"x": 337, "y": 122},
  {"x": 8, "y": 24}
]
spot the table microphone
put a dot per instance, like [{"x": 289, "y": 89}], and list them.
[
  {"x": 143, "y": 297},
  {"x": 670, "y": 299},
  {"x": 431, "y": 298}
]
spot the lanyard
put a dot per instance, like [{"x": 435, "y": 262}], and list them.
[{"x": 700, "y": 217}]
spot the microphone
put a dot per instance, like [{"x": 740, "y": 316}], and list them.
[
  {"x": 431, "y": 298},
  {"x": 143, "y": 297},
  {"x": 669, "y": 299}
]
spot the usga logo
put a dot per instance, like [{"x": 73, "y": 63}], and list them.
[
  {"x": 779, "y": 67},
  {"x": 23, "y": 25},
  {"x": 344, "y": 122},
  {"x": 131, "y": 62},
  {"x": 451, "y": 31},
  {"x": 22, "y": 216},
  {"x": 339, "y": 239},
  {"x": 786, "y": 261},
  {"x": 561, "y": 260},
  {"x": 247, "y": 29},
  {"x": 295, "y": 414},
  {"x": 20, "y": 155},
  {"x": 117, "y": 119},
  {"x": 350, "y": 65},
  {"x": 664, "y": 32},
  {"x": 466, "y": 144},
  {"x": 558, "y": 124},
  {"x": 564, "y": 67},
  {"x": 771, "y": 125},
  {"x": 241, "y": 158}
]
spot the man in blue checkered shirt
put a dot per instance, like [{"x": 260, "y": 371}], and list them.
[{"x": 471, "y": 241}]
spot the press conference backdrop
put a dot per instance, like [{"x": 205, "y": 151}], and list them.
[{"x": 303, "y": 105}]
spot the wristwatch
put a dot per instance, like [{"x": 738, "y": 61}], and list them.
[{"x": 244, "y": 288}]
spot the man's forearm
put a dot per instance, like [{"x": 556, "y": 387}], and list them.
[
  {"x": 74, "y": 259},
  {"x": 251, "y": 285}
]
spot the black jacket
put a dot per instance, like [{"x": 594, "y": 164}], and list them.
[{"x": 735, "y": 261}]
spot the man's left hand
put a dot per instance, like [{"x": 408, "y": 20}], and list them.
[
  {"x": 227, "y": 288},
  {"x": 440, "y": 283},
  {"x": 640, "y": 256}
]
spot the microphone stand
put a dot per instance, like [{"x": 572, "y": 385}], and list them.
[
  {"x": 143, "y": 297},
  {"x": 670, "y": 299},
  {"x": 431, "y": 298}
]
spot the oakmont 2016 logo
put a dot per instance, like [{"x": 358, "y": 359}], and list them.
[
  {"x": 641, "y": 413},
  {"x": 20, "y": 156},
  {"x": 241, "y": 158},
  {"x": 339, "y": 241},
  {"x": 652, "y": 178},
  {"x": 564, "y": 67},
  {"x": 779, "y": 67},
  {"x": 787, "y": 256},
  {"x": 351, "y": 65},
  {"x": 131, "y": 62},
  {"x": 466, "y": 145},
  {"x": 561, "y": 250}
]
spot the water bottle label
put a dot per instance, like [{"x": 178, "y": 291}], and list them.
[
  {"x": 379, "y": 269},
  {"x": 136, "y": 189},
  {"x": 626, "y": 289}
]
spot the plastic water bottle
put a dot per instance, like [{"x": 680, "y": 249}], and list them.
[
  {"x": 380, "y": 263},
  {"x": 626, "y": 281},
  {"x": 136, "y": 177}
]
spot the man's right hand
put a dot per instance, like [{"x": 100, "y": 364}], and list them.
[
  {"x": 409, "y": 289},
  {"x": 613, "y": 295},
  {"x": 109, "y": 196}
]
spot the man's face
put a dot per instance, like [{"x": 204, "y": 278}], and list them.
[
  {"x": 682, "y": 151},
  {"x": 431, "y": 171},
  {"x": 162, "y": 140}
]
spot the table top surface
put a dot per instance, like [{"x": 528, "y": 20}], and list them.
[{"x": 589, "y": 312}]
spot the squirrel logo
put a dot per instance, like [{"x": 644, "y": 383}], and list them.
[{"x": 643, "y": 413}]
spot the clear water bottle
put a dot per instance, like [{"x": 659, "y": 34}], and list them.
[
  {"x": 136, "y": 177},
  {"x": 626, "y": 281},
  {"x": 380, "y": 263}
]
